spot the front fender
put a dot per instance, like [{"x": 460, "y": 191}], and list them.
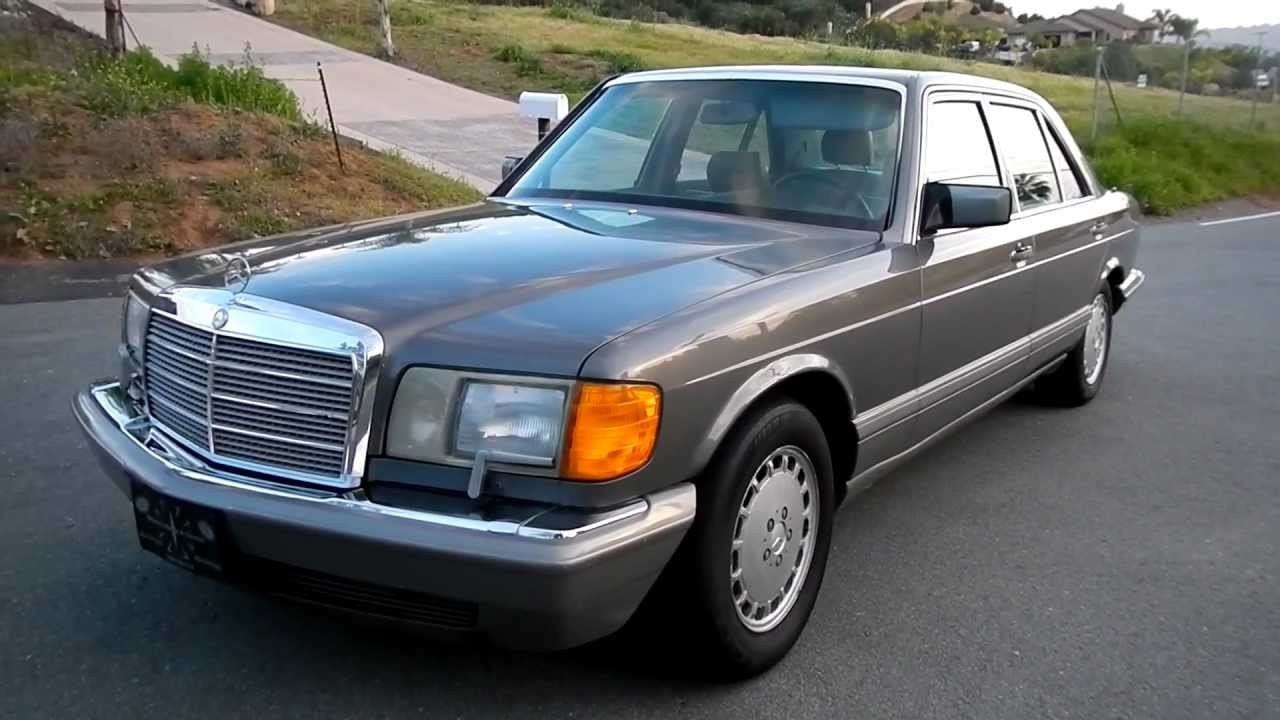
[{"x": 758, "y": 384}]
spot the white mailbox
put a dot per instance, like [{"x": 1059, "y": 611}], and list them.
[
  {"x": 547, "y": 108},
  {"x": 544, "y": 106}
]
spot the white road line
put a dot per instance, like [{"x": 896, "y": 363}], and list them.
[{"x": 1240, "y": 219}]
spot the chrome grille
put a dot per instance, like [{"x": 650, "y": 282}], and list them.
[{"x": 250, "y": 401}]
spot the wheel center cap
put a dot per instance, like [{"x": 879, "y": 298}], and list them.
[{"x": 779, "y": 542}]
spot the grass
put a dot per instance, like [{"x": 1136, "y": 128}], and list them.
[
  {"x": 1170, "y": 165},
  {"x": 502, "y": 50},
  {"x": 102, "y": 158}
]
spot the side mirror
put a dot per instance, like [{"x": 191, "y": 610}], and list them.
[
  {"x": 509, "y": 164},
  {"x": 964, "y": 206}
]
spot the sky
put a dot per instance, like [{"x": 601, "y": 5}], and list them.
[{"x": 1212, "y": 13}]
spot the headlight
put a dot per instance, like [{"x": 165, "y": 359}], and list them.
[
  {"x": 135, "y": 322},
  {"x": 584, "y": 430},
  {"x": 513, "y": 423}
]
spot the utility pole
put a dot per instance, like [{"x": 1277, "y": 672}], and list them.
[
  {"x": 1257, "y": 81},
  {"x": 115, "y": 26}
]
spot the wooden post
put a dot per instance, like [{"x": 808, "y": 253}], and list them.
[
  {"x": 115, "y": 26},
  {"x": 1097, "y": 77},
  {"x": 388, "y": 48},
  {"x": 333, "y": 127},
  {"x": 1186, "y": 66},
  {"x": 1257, "y": 89}
]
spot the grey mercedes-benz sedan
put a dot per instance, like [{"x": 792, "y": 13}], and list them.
[{"x": 647, "y": 369}]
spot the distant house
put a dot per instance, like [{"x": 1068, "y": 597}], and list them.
[
  {"x": 1108, "y": 25},
  {"x": 1054, "y": 33},
  {"x": 1098, "y": 25}
]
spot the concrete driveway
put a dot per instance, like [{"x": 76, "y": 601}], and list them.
[{"x": 1115, "y": 561}]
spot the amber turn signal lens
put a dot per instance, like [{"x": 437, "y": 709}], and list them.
[{"x": 612, "y": 430}]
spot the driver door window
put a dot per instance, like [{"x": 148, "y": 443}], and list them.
[{"x": 959, "y": 149}]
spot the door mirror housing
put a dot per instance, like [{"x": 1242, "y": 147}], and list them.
[
  {"x": 509, "y": 164},
  {"x": 964, "y": 206}
]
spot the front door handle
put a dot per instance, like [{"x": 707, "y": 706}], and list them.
[
  {"x": 1098, "y": 228},
  {"x": 1021, "y": 252}
]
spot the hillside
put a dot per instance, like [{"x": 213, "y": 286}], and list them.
[
  {"x": 1247, "y": 36},
  {"x": 502, "y": 50},
  {"x": 102, "y": 158}
]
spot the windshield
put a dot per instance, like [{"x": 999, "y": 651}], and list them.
[{"x": 821, "y": 153}]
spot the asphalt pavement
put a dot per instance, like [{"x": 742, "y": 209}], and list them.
[{"x": 1114, "y": 561}]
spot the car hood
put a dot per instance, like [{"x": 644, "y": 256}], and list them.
[{"x": 513, "y": 287}]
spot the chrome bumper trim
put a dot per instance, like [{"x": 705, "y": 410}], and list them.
[
  {"x": 108, "y": 396},
  {"x": 1132, "y": 282}
]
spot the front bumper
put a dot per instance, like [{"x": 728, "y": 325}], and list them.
[
  {"x": 1129, "y": 286},
  {"x": 535, "y": 577}
]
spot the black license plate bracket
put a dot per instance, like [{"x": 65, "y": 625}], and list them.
[{"x": 188, "y": 535}]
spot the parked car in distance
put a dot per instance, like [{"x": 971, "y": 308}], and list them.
[{"x": 647, "y": 368}]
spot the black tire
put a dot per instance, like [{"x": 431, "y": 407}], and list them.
[
  {"x": 725, "y": 647},
  {"x": 1069, "y": 385}
]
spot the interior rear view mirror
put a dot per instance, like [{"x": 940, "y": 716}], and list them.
[
  {"x": 728, "y": 112},
  {"x": 964, "y": 206}
]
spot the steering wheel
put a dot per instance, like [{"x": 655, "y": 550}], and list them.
[
  {"x": 836, "y": 195},
  {"x": 801, "y": 184}
]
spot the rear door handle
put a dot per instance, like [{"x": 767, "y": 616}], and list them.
[{"x": 1098, "y": 228}]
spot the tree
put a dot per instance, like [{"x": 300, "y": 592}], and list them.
[
  {"x": 1025, "y": 19},
  {"x": 1162, "y": 19},
  {"x": 1185, "y": 28},
  {"x": 388, "y": 48}
]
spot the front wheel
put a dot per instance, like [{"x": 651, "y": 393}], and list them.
[
  {"x": 1077, "y": 380},
  {"x": 756, "y": 554}
]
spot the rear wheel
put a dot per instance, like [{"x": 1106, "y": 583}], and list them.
[
  {"x": 755, "y": 557},
  {"x": 1077, "y": 380}
]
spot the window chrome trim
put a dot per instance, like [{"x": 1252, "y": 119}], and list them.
[
  {"x": 813, "y": 74},
  {"x": 261, "y": 319}
]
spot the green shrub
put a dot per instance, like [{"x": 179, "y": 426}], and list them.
[
  {"x": 284, "y": 160},
  {"x": 137, "y": 83},
  {"x": 242, "y": 87},
  {"x": 619, "y": 62},
  {"x": 527, "y": 63},
  {"x": 140, "y": 83},
  {"x": 1170, "y": 165},
  {"x": 569, "y": 11},
  {"x": 513, "y": 54}
]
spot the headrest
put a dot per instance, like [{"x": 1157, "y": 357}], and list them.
[
  {"x": 734, "y": 170},
  {"x": 846, "y": 147}
]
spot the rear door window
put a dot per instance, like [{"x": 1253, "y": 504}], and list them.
[
  {"x": 1027, "y": 154},
  {"x": 1068, "y": 178}
]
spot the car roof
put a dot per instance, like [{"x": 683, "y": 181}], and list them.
[{"x": 909, "y": 79}]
